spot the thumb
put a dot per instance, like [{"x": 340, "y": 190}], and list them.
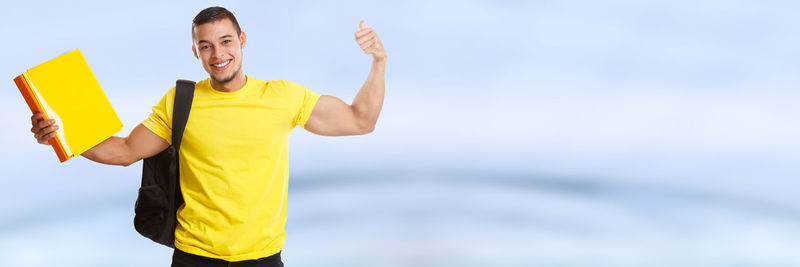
[{"x": 361, "y": 25}]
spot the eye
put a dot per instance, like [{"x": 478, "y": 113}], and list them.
[
  {"x": 205, "y": 47},
  {"x": 226, "y": 41}
]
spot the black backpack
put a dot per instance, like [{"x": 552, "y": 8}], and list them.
[{"x": 160, "y": 195}]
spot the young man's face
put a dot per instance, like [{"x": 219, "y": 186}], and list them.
[{"x": 219, "y": 49}]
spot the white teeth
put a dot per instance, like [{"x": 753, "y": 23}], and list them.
[{"x": 223, "y": 64}]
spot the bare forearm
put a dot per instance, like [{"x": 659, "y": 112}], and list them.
[
  {"x": 112, "y": 151},
  {"x": 369, "y": 100}
]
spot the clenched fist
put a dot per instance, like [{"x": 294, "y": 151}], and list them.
[{"x": 369, "y": 42}]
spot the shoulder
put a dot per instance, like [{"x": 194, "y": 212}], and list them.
[
  {"x": 170, "y": 92},
  {"x": 168, "y": 97},
  {"x": 286, "y": 87},
  {"x": 284, "y": 84}
]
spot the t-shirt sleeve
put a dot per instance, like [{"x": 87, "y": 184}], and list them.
[
  {"x": 307, "y": 100},
  {"x": 160, "y": 120}
]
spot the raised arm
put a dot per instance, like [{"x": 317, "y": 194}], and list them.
[
  {"x": 333, "y": 117},
  {"x": 141, "y": 143}
]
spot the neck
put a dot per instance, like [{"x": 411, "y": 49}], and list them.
[{"x": 233, "y": 85}]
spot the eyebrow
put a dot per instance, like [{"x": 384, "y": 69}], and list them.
[{"x": 223, "y": 37}]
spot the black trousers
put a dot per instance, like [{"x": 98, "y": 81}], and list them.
[{"x": 183, "y": 259}]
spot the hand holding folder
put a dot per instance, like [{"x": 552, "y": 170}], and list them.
[
  {"x": 43, "y": 130},
  {"x": 66, "y": 91}
]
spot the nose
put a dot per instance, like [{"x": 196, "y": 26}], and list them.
[{"x": 218, "y": 54}]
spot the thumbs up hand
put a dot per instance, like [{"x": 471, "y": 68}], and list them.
[{"x": 369, "y": 42}]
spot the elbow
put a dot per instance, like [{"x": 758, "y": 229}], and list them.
[
  {"x": 126, "y": 161},
  {"x": 366, "y": 129},
  {"x": 364, "y": 122},
  {"x": 130, "y": 161},
  {"x": 127, "y": 156},
  {"x": 113, "y": 151}
]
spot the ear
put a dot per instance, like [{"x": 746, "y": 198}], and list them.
[
  {"x": 194, "y": 50},
  {"x": 243, "y": 39}
]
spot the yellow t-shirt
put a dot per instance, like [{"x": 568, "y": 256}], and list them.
[{"x": 234, "y": 166}]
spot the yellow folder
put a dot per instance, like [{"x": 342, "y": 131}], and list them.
[{"x": 65, "y": 89}]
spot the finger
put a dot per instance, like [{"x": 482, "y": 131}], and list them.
[
  {"x": 373, "y": 40},
  {"x": 376, "y": 48},
  {"x": 39, "y": 125},
  {"x": 372, "y": 43},
  {"x": 378, "y": 40},
  {"x": 42, "y": 124},
  {"x": 363, "y": 32},
  {"x": 361, "y": 25},
  {"x": 46, "y": 131},
  {"x": 44, "y": 139},
  {"x": 50, "y": 129},
  {"x": 367, "y": 43},
  {"x": 366, "y": 38},
  {"x": 36, "y": 117},
  {"x": 46, "y": 124}
]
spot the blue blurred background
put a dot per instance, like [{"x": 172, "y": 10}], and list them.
[{"x": 514, "y": 133}]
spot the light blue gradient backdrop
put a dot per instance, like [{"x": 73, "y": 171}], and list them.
[{"x": 514, "y": 133}]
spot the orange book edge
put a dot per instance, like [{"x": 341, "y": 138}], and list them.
[{"x": 36, "y": 107}]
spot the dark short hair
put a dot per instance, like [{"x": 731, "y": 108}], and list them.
[{"x": 212, "y": 14}]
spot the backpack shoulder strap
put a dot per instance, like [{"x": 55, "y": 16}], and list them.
[{"x": 184, "y": 93}]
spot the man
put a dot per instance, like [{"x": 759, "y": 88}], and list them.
[{"x": 233, "y": 157}]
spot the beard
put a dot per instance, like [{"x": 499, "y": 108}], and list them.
[{"x": 225, "y": 80}]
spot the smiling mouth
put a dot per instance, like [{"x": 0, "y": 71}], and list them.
[{"x": 222, "y": 65}]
